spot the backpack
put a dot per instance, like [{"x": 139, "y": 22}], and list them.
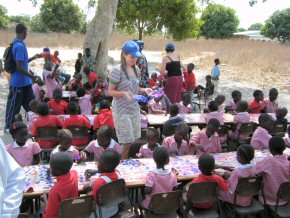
[{"x": 9, "y": 62}]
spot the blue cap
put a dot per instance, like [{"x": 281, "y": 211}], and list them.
[
  {"x": 46, "y": 49},
  {"x": 170, "y": 46},
  {"x": 133, "y": 48}
]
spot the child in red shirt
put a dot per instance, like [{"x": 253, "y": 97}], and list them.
[
  {"x": 76, "y": 120},
  {"x": 108, "y": 163},
  {"x": 66, "y": 185},
  {"x": 76, "y": 82},
  {"x": 257, "y": 106},
  {"x": 45, "y": 120},
  {"x": 57, "y": 104},
  {"x": 92, "y": 76},
  {"x": 153, "y": 80},
  {"x": 206, "y": 165},
  {"x": 105, "y": 116},
  {"x": 190, "y": 82}
]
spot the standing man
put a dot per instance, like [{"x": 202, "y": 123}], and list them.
[{"x": 20, "y": 90}]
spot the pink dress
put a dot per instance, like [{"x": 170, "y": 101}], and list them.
[
  {"x": 36, "y": 89},
  {"x": 215, "y": 114},
  {"x": 71, "y": 151},
  {"x": 23, "y": 155},
  {"x": 51, "y": 84},
  {"x": 170, "y": 144},
  {"x": 260, "y": 139},
  {"x": 31, "y": 118},
  {"x": 85, "y": 105},
  {"x": 184, "y": 109},
  {"x": 161, "y": 181},
  {"x": 231, "y": 105},
  {"x": 146, "y": 152},
  {"x": 155, "y": 105},
  {"x": 239, "y": 119},
  {"x": 272, "y": 106}
]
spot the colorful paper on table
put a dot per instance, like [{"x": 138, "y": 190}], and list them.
[
  {"x": 157, "y": 94},
  {"x": 140, "y": 98}
]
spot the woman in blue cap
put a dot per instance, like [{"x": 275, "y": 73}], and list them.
[
  {"x": 173, "y": 65},
  {"x": 123, "y": 85}
]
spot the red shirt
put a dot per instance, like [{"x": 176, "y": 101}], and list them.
[
  {"x": 189, "y": 80},
  {"x": 105, "y": 117},
  {"x": 78, "y": 120},
  {"x": 59, "y": 107},
  {"x": 222, "y": 184},
  {"x": 254, "y": 103},
  {"x": 74, "y": 81},
  {"x": 152, "y": 83},
  {"x": 55, "y": 59},
  {"x": 66, "y": 187},
  {"x": 49, "y": 120},
  {"x": 92, "y": 77}
]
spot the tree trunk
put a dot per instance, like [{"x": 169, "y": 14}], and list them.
[
  {"x": 99, "y": 33},
  {"x": 140, "y": 30}
]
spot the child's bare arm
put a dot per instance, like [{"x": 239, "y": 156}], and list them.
[{"x": 36, "y": 159}]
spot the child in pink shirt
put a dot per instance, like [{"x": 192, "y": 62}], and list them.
[
  {"x": 220, "y": 99},
  {"x": 207, "y": 140},
  {"x": 184, "y": 106},
  {"x": 155, "y": 106},
  {"x": 175, "y": 144},
  {"x": 152, "y": 136},
  {"x": 241, "y": 117},
  {"x": 271, "y": 103},
  {"x": 261, "y": 136},
  {"x": 38, "y": 91},
  {"x": 274, "y": 169},
  {"x": 65, "y": 144},
  {"x": 51, "y": 78},
  {"x": 104, "y": 142},
  {"x": 25, "y": 152},
  {"x": 159, "y": 179},
  {"x": 85, "y": 99},
  {"x": 32, "y": 115},
  {"x": 245, "y": 155},
  {"x": 213, "y": 113},
  {"x": 232, "y": 104}
]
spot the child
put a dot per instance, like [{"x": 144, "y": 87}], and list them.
[
  {"x": 257, "y": 106},
  {"x": 37, "y": 88},
  {"x": 164, "y": 101},
  {"x": 92, "y": 76},
  {"x": 281, "y": 113},
  {"x": 209, "y": 86},
  {"x": 184, "y": 106},
  {"x": 153, "y": 80},
  {"x": 220, "y": 99},
  {"x": 245, "y": 154},
  {"x": 159, "y": 179},
  {"x": 215, "y": 72},
  {"x": 274, "y": 169},
  {"x": 190, "y": 82},
  {"x": 105, "y": 116},
  {"x": 78, "y": 63},
  {"x": 76, "y": 120},
  {"x": 175, "y": 144},
  {"x": 57, "y": 104},
  {"x": 241, "y": 117},
  {"x": 152, "y": 137},
  {"x": 51, "y": 78},
  {"x": 213, "y": 113},
  {"x": 66, "y": 185},
  {"x": 271, "y": 103},
  {"x": 45, "y": 120},
  {"x": 207, "y": 140},
  {"x": 206, "y": 165},
  {"x": 103, "y": 143},
  {"x": 232, "y": 104},
  {"x": 155, "y": 106},
  {"x": 32, "y": 115},
  {"x": 173, "y": 120},
  {"x": 25, "y": 152},
  {"x": 76, "y": 82},
  {"x": 65, "y": 144},
  {"x": 261, "y": 136}
]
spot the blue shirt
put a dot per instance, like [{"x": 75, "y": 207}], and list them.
[
  {"x": 215, "y": 72},
  {"x": 19, "y": 52}
]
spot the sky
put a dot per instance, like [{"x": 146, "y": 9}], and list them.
[{"x": 247, "y": 14}]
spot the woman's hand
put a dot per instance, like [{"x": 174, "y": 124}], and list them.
[
  {"x": 128, "y": 95},
  {"x": 148, "y": 91}
]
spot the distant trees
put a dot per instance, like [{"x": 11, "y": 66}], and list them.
[
  {"x": 37, "y": 25},
  {"x": 278, "y": 26},
  {"x": 256, "y": 26},
  {"x": 4, "y": 18}
]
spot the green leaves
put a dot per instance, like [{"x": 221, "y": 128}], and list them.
[{"x": 4, "y": 19}]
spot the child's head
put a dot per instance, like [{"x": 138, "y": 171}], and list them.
[
  {"x": 87, "y": 52},
  {"x": 105, "y": 104},
  {"x": 208, "y": 78},
  {"x": 72, "y": 108},
  {"x": 79, "y": 77},
  {"x": 281, "y": 112},
  {"x": 42, "y": 109},
  {"x": 242, "y": 106},
  {"x": 220, "y": 99},
  {"x": 173, "y": 110},
  {"x": 40, "y": 82},
  {"x": 186, "y": 99},
  {"x": 80, "y": 55},
  {"x": 206, "y": 164},
  {"x": 56, "y": 53},
  {"x": 212, "y": 106},
  {"x": 154, "y": 76},
  {"x": 161, "y": 157},
  {"x": 60, "y": 164},
  {"x": 216, "y": 61},
  {"x": 266, "y": 121},
  {"x": 109, "y": 160},
  {"x": 86, "y": 70},
  {"x": 277, "y": 145},
  {"x": 41, "y": 94},
  {"x": 33, "y": 105},
  {"x": 81, "y": 92},
  {"x": 180, "y": 132},
  {"x": 258, "y": 95},
  {"x": 104, "y": 136},
  {"x": 245, "y": 154},
  {"x": 190, "y": 67},
  {"x": 64, "y": 137},
  {"x": 273, "y": 94},
  {"x": 74, "y": 87},
  {"x": 18, "y": 131},
  {"x": 152, "y": 136},
  {"x": 212, "y": 126},
  {"x": 236, "y": 95},
  {"x": 57, "y": 94}
]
